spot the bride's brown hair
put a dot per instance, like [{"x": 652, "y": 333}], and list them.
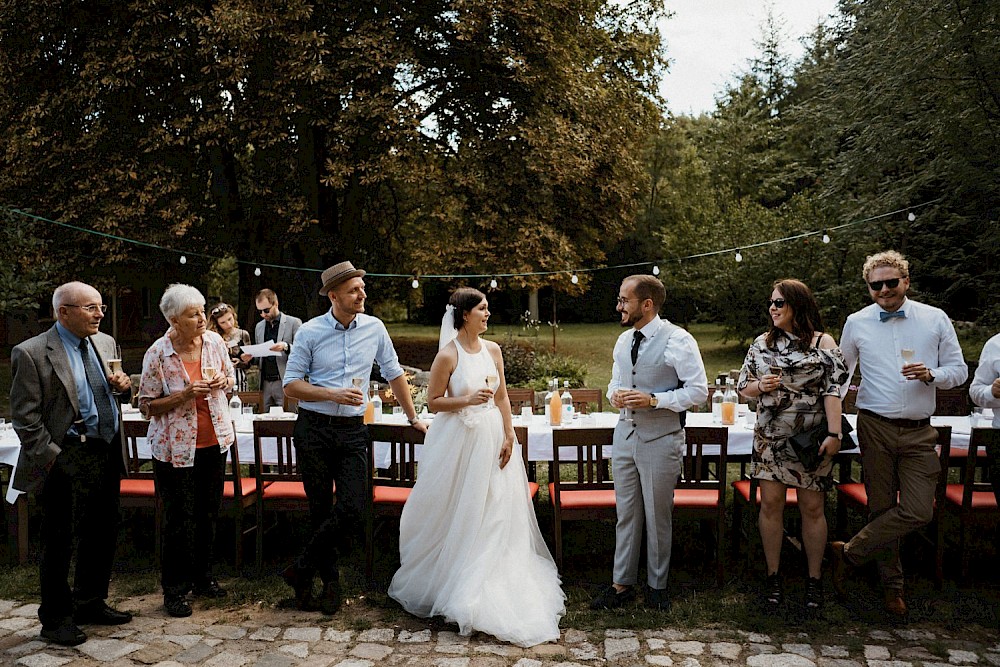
[{"x": 464, "y": 299}]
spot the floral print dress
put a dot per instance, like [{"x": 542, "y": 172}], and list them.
[{"x": 795, "y": 406}]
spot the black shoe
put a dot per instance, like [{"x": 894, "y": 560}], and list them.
[
  {"x": 301, "y": 579},
  {"x": 66, "y": 634},
  {"x": 210, "y": 590},
  {"x": 176, "y": 606},
  {"x": 99, "y": 613},
  {"x": 612, "y": 599},
  {"x": 814, "y": 594},
  {"x": 658, "y": 599},
  {"x": 774, "y": 594},
  {"x": 330, "y": 602}
]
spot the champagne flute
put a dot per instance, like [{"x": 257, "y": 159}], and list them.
[
  {"x": 115, "y": 365},
  {"x": 493, "y": 383},
  {"x": 907, "y": 353},
  {"x": 626, "y": 413}
]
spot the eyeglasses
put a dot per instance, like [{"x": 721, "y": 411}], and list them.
[
  {"x": 622, "y": 302},
  {"x": 265, "y": 311},
  {"x": 218, "y": 310},
  {"x": 777, "y": 303},
  {"x": 90, "y": 309},
  {"x": 891, "y": 283}
]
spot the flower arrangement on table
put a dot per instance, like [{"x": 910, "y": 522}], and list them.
[{"x": 418, "y": 393}]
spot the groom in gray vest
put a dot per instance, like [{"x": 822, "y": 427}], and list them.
[{"x": 657, "y": 375}]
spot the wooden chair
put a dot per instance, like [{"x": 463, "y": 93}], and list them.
[
  {"x": 254, "y": 399},
  {"x": 521, "y": 434},
  {"x": 580, "y": 488},
  {"x": 388, "y": 400},
  {"x": 391, "y": 486},
  {"x": 583, "y": 398},
  {"x": 744, "y": 489},
  {"x": 137, "y": 491},
  {"x": 277, "y": 476},
  {"x": 701, "y": 490},
  {"x": 852, "y": 494},
  {"x": 850, "y": 400},
  {"x": 239, "y": 498},
  {"x": 952, "y": 402},
  {"x": 519, "y": 398},
  {"x": 972, "y": 500}
]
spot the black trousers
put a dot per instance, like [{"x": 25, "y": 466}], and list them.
[
  {"x": 332, "y": 451},
  {"x": 79, "y": 504},
  {"x": 191, "y": 498}
]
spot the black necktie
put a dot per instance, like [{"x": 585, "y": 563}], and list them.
[
  {"x": 95, "y": 378},
  {"x": 636, "y": 339}
]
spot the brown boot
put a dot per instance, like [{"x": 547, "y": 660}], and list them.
[
  {"x": 894, "y": 603},
  {"x": 839, "y": 566}
]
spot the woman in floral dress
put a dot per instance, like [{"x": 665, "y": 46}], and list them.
[{"x": 795, "y": 372}]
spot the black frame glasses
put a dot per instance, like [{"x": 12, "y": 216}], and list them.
[
  {"x": 891, "y": 283},
  {"x": 777, "y": 303},
  {"x": 90, "y": 308}
]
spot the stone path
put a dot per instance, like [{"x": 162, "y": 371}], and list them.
[{"x": 282, "y": 638}]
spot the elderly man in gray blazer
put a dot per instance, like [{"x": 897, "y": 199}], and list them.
[
  {"x": 658, "y": 373},
  {"x": 63, "y": 400},
  {"x": 278, "y": 328}
]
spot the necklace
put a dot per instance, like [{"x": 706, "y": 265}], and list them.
[{"x": 189, "y": 355}]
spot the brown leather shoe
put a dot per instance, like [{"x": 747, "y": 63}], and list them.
[
  {"x": 839, "y": 566},
  {"x": 894, "y": 603}
]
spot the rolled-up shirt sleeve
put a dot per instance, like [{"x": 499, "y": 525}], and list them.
[
  {"x": 683, "y": 355},
  {"x": 981, "y": 390}
]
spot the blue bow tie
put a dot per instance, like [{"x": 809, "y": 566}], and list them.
[{"x": 883, "y": 316}]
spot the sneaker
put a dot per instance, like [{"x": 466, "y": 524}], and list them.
[
  {"x": 176, "y": 606},
  {"x": 814, "y": 594},
  {"x": 774, "y": 594},
  {"x": 612, "y": 599}
]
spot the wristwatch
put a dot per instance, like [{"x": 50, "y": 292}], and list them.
[
  {"x": 653, "y": 401},
  {"x": 838, "y": 436}
]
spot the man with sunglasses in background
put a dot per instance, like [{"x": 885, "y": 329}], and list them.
[
  {"x": 278, "y": 328},
  {"x": 63, "y": 401},
  {"x": 906, "y": 351}
]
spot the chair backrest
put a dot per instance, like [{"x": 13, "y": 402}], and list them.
[
  {"x": 521, "y": 435},
  {"x": 849, "y": 402},
  {"x": 580, "y": 450},
  {"x": 388, "y": 399},
  {"x": 254, "y": 399},
  {"x": 403, "y": 440},
  {"x": 704, "y": 464},
  {"x": 952, "y": 402},
  {"x": 520, "y": 397},
  {"x": 134, "y": 430},
  {"x": 583, "y": 398},
  {"x": 977, "y": 468},
  {"x": 276, "y": 464}
]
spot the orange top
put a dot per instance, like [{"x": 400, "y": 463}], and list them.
[{"x": 206, "y": 432}]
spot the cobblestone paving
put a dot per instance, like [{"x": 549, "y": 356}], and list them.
[{"x": 283, "y": 638}]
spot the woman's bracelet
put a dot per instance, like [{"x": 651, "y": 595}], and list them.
[{"x": 760, "y": 387}]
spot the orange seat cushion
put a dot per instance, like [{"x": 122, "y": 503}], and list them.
[
  {"x": 742, "y": 487},
  {"x": 696, "y": 498},
  {"x": 582, "y": 499},
  {"x": 982, "y": 501},
  {"x": 854, "y": 492},
  {"x": 137, "y": 488},
  {"x": 532, "y": 489},
  {"x": 249, "y": 487},
  {"x": 394, "y": 495},
  {"x": 285, "y": 491}
]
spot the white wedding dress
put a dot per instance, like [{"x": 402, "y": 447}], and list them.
[{"x": 469, "y": 545}]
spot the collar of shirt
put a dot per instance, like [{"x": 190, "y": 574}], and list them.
[
  {"x": 879, "y": 309},
  {"x": 651, "y": 328}
]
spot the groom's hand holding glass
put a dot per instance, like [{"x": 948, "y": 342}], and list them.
[{"x": 347, "y": 395}]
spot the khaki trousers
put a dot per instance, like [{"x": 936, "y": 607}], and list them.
[{"x": 895, "y": 460}]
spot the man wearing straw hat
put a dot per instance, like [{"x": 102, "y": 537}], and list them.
[{"x": 331, "y": 440}]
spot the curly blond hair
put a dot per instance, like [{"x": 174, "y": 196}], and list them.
[{"x": 889, "y": 258}]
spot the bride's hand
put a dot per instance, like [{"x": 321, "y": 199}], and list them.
[
  {"x": 480, "y": 396},
  {"x": 505, "y": 450}
]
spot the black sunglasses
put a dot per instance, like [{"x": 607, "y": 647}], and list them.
[
  {"x": 777, "y": 303},
  {"x": 265, "y": 310},
  {"x": 220, "y": 309},
  {"x": 876, "y": 285}
]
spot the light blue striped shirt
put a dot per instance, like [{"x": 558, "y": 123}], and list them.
[{"x": 326, "y": 354}]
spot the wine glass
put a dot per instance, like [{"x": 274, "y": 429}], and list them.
[
  {"x": 907, "y": 353},
  {"x": 115, "y": 365},
  {"x": 626, "y": 413},
  {"x": 359, "y": 384},
  {"x": 493, "y": 383}
]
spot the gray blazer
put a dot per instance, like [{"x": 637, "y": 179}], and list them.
[
  {"x": 43, "y": 402},
  {"x": 286, "y": 333}
]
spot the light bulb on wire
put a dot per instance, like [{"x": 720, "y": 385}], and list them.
[
  {"x": 574, "y": 279},
  {"x": 739, "y": 256},
  {"x": 656, "y": 270},
  {"x": 493, "y": 283},
  {"x": 415, "y": 284},
  {"x": 256, "y": 271},
  {"x": 826, "y": 237},
  {"x": 184, "y": 260},
  {"x": 911, "y": 216}
]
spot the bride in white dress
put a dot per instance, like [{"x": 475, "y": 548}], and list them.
[{"x": 469, "y": 545}]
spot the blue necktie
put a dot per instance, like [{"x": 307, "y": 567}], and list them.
[
  {"x": 106, "y": 426},
  {"x": 883, "y": 316}
]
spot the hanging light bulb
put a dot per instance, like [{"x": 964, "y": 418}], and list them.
[
  {"x": 911, "y": 216},
  {"x": 415, "y": 284},
  {"x": 656, "y": 270},
  {"x": 739, "y": 256},
  {"x": 493, "y": 283},
  {"x": 574, "y": 279},
  {"x": 256, "y": 271},
  {"x": 826, "y": 237},
  {"x": 184, "y": 260}
]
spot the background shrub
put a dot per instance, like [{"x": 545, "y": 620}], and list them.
[
  {"x": 549, "y": 365},
  {"x": 518, "y": 362}
]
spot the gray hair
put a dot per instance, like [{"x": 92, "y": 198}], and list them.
[
  {"x": 66, "y": 293},
  {"x": 179, "y": 298}
]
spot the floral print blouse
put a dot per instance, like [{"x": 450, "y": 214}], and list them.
[{"x": 172, "y": 435}]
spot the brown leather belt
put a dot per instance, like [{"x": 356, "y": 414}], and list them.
[{"x": 901, "y": 423}]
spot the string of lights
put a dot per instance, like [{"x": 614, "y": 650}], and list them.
[{"x": 654, "y": 264}]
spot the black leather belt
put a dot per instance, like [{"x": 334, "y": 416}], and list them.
[
  {"x": 330, "y": 420},
  {"x": 901, "y": 423}
]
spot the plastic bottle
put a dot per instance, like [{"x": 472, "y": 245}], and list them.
[
  {"x": 548, "y": 400},
  {"x": 555, "y": 405},
  {"x": 235, "y": 408},
  {"x": 717, "y": 396},
  {"x": 567, "y": 403},
  {"x": 729, "y": 404}
]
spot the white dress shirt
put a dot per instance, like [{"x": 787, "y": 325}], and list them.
[
  {"x": 682, "y": 354},
  {"x": 877, "y": 346},
  {"x": 981, "y": 390}
]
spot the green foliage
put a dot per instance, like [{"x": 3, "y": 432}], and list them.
[
  {"x": 518, "y": 362},
  {"x": 26, "y": 272},
  {"x": 549, "y": 365},
  {"x": 223, "y": 280}
]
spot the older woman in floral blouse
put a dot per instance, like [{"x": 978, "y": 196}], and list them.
[{"x": 185, "y": 376}]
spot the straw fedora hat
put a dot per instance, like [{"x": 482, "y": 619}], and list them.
[{"x": 337, "y": 274}]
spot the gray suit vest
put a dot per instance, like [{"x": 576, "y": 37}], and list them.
[{"x": 651, "y": 374}]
